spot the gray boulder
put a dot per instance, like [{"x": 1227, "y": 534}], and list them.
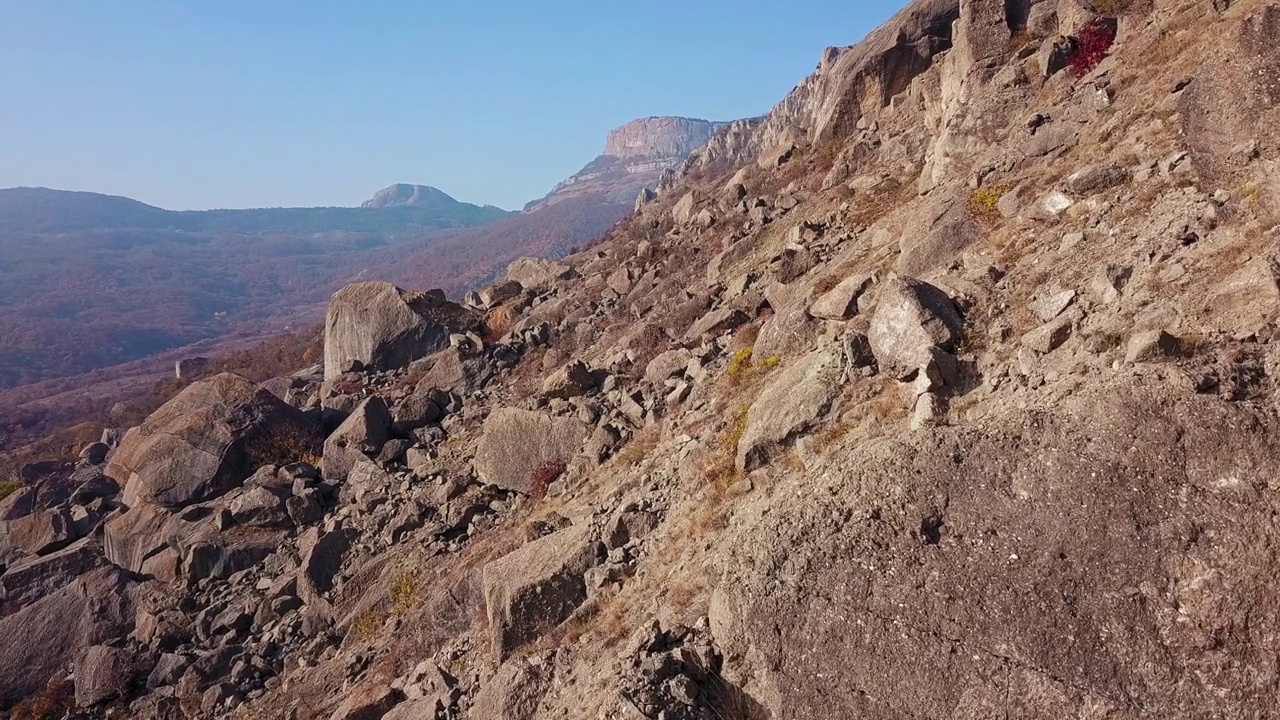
[
  {"x": 516, "y": 443},
  {"x": 206, "y": 441},
  {"x": 46, "y": 636},
  {"x": 385, "y": 327},
  {"x": 361, "y": 435},
  {"x": 572, "y": 380},
  {"x": 102, "y": 673},
  {"x": 537, "y": 587},
  {"x": 536, "y": 273},
  {"x": 911, "y": 319},
  {"x": 796, "y": 397},
  {"x": 841, "y": 301}
]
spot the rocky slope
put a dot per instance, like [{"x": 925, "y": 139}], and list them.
[
  {"x": 953, "y": 402},
  {"x": 636, "y": 155}
]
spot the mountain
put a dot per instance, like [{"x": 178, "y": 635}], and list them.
[
  {"x": 416, "y": 196},
  {"x": 41, "y": 210},
  {"x": 948, "y": 389},
  {"x": 635, "y": 156}
]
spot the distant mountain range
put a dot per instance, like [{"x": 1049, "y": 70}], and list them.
[
  {"x": 89, "y": 280},
  {"x": 41, "y": 210}
]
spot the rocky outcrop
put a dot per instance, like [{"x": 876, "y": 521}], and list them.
[
  {"x": 205, "y": 441},
  {"x": 378, "y": 326},
  {"x": 1002, "y": 540},
  {"x": 635, "y": 156}
]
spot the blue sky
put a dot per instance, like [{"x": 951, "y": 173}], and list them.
[{"x": 287, "y": 103}]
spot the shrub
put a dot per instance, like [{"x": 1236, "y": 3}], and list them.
[
  {"x": 8, "y": 487},
  {"x": 547, "y": 473},
  {"x": 737, "y": 428},
  {"x": 53, "y": 702},
  {"x": 1092, "y": 45},
  {"x": 404, "y": 591},
  {"x": 985, "y": 201},
  {"x": 740, "y": 365},
  {"x": 284, "y": 445}
]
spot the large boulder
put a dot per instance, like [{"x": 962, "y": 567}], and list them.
[
  {"x": 384, "y": 327},
  {"x": 205, "y": 441},
  {"x": 536, "y": 273},
  {"x": 537, "y": 587},
  {"x": 1058, "y": 562},
  {"x": 795, "y": 398},
  {"x": 102, "y": 673},
  {"x": 47, "y": 636},
  {"x": 912, "y": 319},
  {"x": 516, "y": 443},
  {"x": 515, "y": 692},
  {"x": 359, "y": 436}
]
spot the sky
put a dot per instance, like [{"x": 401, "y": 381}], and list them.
[{"x": 283, "y": 103}]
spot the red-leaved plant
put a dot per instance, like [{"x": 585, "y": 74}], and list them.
[
  {"x": 546, "y": 473},
  {"x": 1092, "y": 45}
]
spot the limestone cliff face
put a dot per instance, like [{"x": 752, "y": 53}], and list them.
[
  {"x": 659, "y": 137},
  {"x": 635, "y": 156}
]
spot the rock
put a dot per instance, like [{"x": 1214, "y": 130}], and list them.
[
  {"x": 684, "y": 209},
  {"x": 1056, "y": 203},
  {"x": 666, "y": 365},
  {"x": 1095, "y": 179},
  {"x": 794, "y": 399},
  {"x": 414, "y": 412},
  {"x": 1247, "y": 301},
  {"x": 537, "y": 587},
  {"x": 102, "y": 673},
  {"x": 229, "y": 553},
  {"x": 620, "y": 281},
  {"x": 630, "y": 525},
  {"x": 455, "y": 371},
  {"x": 791, "y": 330},
  {"x": 38, "y": 577},
  {"x": 1048, "y": 337},
  {"x": 1051, "y": 306},
  {"x": 514, "y": 693},
  {"x": 537, "y": 274},
  {"x": 717, "y": 322},
  {"x": 41, "y": 533},
  {"x": 358, "y": 437},
  {"x": 205, "y": 441},
  {"x": 322, "y": 557},
  {"x": 499, "y": 293},
  {"x": 260, "y": 507},
  {"x": 368, "y": 701},
  {"x": 304, "y": 509},
  {"x": 95, "y": 453},
  {"x": 572, "y": 380},
  {"x": 386, "y": 328},
  {"x": 841, "y": 301},
  {"x": 47, "y": 636},
  {"x": 910, "y": 320},
  {"x": 1150, "y": 345},
  {"x": 515, "y": 443}
]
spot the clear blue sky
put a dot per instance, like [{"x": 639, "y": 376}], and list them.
[{"x": 291, "y": 103}]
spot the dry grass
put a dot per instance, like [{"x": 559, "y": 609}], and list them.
[
  {"x": 9, "y": 487},
  {"x": 50, "y": 703},
  {"x": 282, "y": 445},
  {"x": 499, "y": 321},
  {"x": 404, "y": 591},
  {"x": 642, "y": 443}
]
